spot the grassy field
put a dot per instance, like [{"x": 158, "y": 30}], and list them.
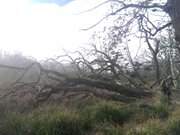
[{"x": 94, "y": 118}]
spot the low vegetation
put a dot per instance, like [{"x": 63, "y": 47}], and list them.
[{"x": 103, "y": 118}]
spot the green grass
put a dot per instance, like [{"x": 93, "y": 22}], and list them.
[
  {"x": 13, "y": 124},
  {"x": 173, "y": 127},
  {"x": 57, "y": 124},
  {"x": 108, "y": 112},
  {"x": 159, "y": 111},
  {"x": 108, "y": 129},
  {"x": 150, "y": 127},
  {"x": 45, "y": 123},
  {"x": 104, "y": 118}
]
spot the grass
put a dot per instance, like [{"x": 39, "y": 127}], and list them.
[
  {"x": 104, "y": 118},
  {"x": 45, "y": 123},
  {"x": 108, "y": 112},
  {"x": 108, "y": 129},
  {"x": 57, "y": 124},
  {"x": 13, "y": 124},
  {"x": 159, "y": 111},
  {"x": 173, "y": 127},
  {"x": 150, "y": 127}
]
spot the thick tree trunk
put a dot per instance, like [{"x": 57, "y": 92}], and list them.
[
  {"x": 174, "y": 12},
  {"x": 123, "y": 90},
  {"x": 104, "y": 94}
]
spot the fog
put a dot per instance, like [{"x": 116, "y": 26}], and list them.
[{"x": 42, "y": 29}]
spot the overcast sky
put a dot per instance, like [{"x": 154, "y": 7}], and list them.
[{"x": 41, "y": 28}]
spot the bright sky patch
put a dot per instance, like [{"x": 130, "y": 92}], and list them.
[
  {"x": 59, "y": 2},
  {"x": 42, "y": 30}
]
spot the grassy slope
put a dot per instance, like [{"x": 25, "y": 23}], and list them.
[{"x": 102, "y": 118}]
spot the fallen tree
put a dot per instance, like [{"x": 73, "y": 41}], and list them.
[{"x": 78, "y": 84}]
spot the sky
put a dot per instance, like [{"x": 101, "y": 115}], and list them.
[
  {"x": 42, "y": 28},
  {"x": 58, "y": 2}
]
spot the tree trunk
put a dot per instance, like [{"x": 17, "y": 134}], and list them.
[
  {"x": 158, "y": 74},
  {"x": 126, "y": 91},
  {"x": 174, "y": 11}
]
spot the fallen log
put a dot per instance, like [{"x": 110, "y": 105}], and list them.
[
  {"x": 100, "y": 93},
  {"x": 123, "y": 93},
  {"x": 123, "y": 90}
]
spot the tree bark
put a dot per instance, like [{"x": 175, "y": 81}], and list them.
[
  {"x": 174, "y": 11},
  {"x": 42, "y": 97},
  {"x": 123, "y": 90},
  {"x": 158, "y": 74}
]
